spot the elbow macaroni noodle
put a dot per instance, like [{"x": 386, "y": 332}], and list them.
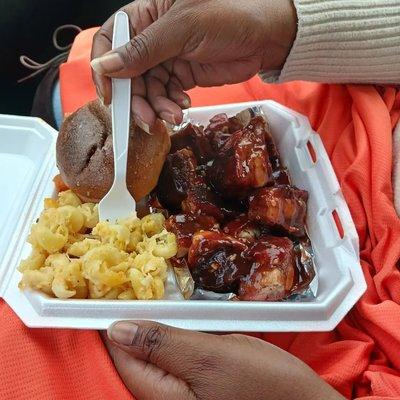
[{"x": 76, "y": 256}]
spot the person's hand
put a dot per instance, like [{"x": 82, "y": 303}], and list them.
[
  {"x": 157, "y": 362},
  {"x": 180, "y": 44}
]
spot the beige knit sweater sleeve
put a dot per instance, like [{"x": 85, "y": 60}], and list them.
[
  {"x": 347, "y": 41},
  {"x": 344, "y": 41}
]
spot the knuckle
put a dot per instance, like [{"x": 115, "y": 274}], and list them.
[
  {"x": 142, "y": 3},
  {"x": 137, "y": 49},
  {"x": 96, "y": 36},
  {"x": 126, "y": 8},
  {"x": 150, "y": 340},
  {"x": 149, "y": 5},
  {"x": 101, "y": 34},
  {"x": 195, "y": 16}
]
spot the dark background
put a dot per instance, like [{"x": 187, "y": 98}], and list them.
[{"x": 26, "y": 27}]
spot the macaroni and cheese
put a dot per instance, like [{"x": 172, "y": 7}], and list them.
[{"x": 76, "y": 256}]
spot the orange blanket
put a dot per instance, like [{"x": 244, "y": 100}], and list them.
[{"x": 361, "y": 358}]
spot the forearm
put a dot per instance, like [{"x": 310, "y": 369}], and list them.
[{"x": 345, "y": 41}]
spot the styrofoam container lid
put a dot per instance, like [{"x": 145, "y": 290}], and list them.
[{"x": 27, "y": 162}]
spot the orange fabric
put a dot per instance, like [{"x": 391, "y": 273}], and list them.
[
  {"x": 75, "y": 75},
  {"x": 361, "y": 357}
]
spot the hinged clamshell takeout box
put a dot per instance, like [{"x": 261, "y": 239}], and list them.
[{"x": 27, "y": 166}]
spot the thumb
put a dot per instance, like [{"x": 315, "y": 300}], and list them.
[
  {"x": 154, "y": 45},
  {"x": 174, "y": 350},
  {"x": 145, "y": 380}
]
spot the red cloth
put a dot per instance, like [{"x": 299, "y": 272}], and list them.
[{"x": 361, "y": 357}]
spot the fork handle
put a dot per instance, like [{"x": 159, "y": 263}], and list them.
[{"x": 121, "y": 104}]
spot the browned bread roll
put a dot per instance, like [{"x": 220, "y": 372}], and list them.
[{"x": 85, "y": 156}]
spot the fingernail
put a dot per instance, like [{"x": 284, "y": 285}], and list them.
[
  {"x": 186, "y": 103},
  {"x": 100, "y": 95},
  {"x": 169, "y": 126},
  {"x": 141, "y": 124},
  {"x": 122, "y": 332},
  {"x": 169, "y": 117},
  {"x": 111, "y": 62}
]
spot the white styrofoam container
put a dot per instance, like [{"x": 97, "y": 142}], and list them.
[{"x": 27, "y": 166}]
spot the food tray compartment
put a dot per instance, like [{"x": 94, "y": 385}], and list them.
[{"x": 340, "y": 278}]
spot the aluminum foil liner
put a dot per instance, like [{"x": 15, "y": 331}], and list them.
[
  {"x": 307, "y": 287},
  {"x": 186, "y": 286},
  {"x": 185, "y": 122},
  {"x": 185, "y": 281},
  {"x": 246, "y": 115},
  {"x": 200, "y": 294}
]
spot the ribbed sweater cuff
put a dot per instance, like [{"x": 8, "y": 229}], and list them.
[{"x": 343, "y": 41}]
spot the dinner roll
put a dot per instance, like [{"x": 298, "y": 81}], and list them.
[{"x": 85, "y": 156}]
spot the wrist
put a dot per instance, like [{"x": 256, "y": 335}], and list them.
[{"x": 281, "y": 34}]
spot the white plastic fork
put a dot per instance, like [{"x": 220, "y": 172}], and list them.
[{"x": 118, "y": 202}]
